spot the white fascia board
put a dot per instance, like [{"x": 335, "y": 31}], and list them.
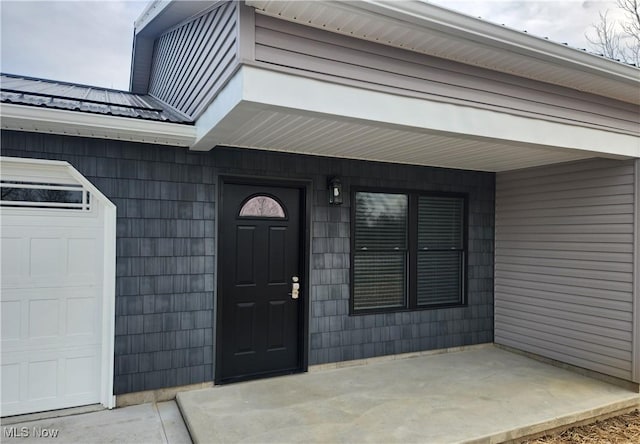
[
  {"x": 444, "y": 20},
  {"x": 74, "y": 123},
  {"x": 264, "y": 88}
]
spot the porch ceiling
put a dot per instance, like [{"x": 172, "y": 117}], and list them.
[
  {"x": 286, "y": 130},
  {"x": 274, "y": 111}
]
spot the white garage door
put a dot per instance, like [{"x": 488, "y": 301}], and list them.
[{"x": 54, "y": 352}]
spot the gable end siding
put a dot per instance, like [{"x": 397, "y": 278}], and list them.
[
  {"x": 564, "y": 263},
  {"x": 192, "y": 62}
]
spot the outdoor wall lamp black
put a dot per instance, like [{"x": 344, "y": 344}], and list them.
[{"x": 335, "y": 191}]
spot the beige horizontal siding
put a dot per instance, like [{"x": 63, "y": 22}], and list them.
[
  {"x": 343, "y": 59},
  {"x": 564, "y": 263}
]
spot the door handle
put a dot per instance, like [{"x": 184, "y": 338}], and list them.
[{"x": 295, "y": 288}]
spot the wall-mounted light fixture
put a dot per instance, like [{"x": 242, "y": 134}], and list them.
[{"x": 335, "y": 191}]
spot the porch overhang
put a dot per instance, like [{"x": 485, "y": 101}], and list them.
[{"x": 271, "y": 110}]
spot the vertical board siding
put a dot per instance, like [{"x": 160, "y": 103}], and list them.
[
  {"x": 346, "y": 59},
  {"x": 191, "y": 62},
  {"x": 564, "y": 263},
  {"x": 165, "y": 270}
]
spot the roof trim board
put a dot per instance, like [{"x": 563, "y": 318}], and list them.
[{"x": 58, "y": 121}]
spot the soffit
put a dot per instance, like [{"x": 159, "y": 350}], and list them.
[{"x": 287, "y": 130}]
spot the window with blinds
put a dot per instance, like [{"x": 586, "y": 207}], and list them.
[
  {"x": 440, "y": 250},
  {"x": 380, "y": 251},
  {"x": 408, "y": 251}
]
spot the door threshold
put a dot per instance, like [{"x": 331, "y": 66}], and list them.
[{"x": 259, "y": 376}]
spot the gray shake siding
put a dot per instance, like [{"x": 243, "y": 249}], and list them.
[
  {"x": 564, "y": 263},
  {"x": 336, "y": 336},
  {"x": 192, "y": 61},
  {"x": 165, "y": 199}
]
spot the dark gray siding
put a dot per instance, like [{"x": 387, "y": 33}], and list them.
[
  {"x": 564, "y": 263},
  {"x": 191, "y": 62},
  {"x": 336, "y": 336},
  {"x": 165, "y": 253},
  {"x": 327, "y": 55}
]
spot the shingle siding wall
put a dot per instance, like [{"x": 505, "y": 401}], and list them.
[
  {"x": 336, "y": 336},
  {"x": 166, "y": 249}
]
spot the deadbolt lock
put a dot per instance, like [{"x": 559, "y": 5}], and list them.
[{"x": 295, "y": 287}]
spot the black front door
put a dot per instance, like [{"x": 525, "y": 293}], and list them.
[{"x": 260, "y": 320}]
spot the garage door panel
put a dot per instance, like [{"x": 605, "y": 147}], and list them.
[
  {"x": 10, "y": 383},
  {"x": 44, "y": 318},
  {"x": 11, "y": 321},
  {"x": 46, "y": 258},
  {"x": 80, "y": 374},
  {"x": 12, "y": 261},
  {"x": 82, "y": 316},
  {"x": 81, "y": 258},
  {"x": 29, "y": 259},
  {"x": 43, "y": 379},
  {"x": 49, "y": 379},
  {"x": 65, "y": 317},
  {"x": 53, "y": 287}
]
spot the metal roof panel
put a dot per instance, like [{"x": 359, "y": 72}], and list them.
[{"x": 32, "y": 91}]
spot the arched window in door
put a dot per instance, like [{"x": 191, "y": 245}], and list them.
[{"x": 262, "y": 206}]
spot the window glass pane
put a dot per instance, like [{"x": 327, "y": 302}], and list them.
[
  {"x": 381, "y": 221},
  {"x": 378, "y": 280},
  {"x": 40, "y": 195},
  {"x": 262, "y": 206},
  {"x": 439, "y": 277},
  {"x": 440, "y": 222}
]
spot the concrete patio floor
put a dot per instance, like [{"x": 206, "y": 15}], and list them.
[{"x": 481, "y": 395}]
